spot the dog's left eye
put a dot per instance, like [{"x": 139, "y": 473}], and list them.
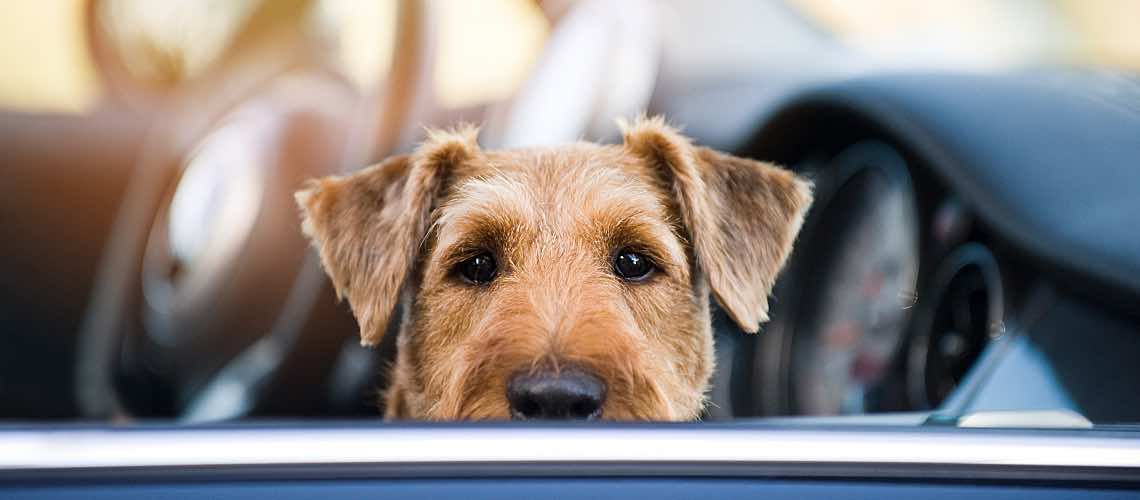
[
  {"x": 632, "y": 266},
  {"x": 479, "y": 269}
]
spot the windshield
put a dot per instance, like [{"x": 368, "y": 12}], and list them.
[
  {"x": 170, "y": 255},
  {"x": 980, "y": 34}
]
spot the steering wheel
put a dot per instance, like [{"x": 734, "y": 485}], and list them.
[{"x": 206, "y": 287}]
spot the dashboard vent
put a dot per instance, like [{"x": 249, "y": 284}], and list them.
[{"x": 964, "y": 314}]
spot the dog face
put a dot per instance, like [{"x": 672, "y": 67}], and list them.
[{"x": 555, "y": 283}]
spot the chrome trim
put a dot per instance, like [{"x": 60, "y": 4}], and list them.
[{"x": 114, "y": 448}]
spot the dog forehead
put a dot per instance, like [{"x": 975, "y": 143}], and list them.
[
  {"x": 579, "y": 195},
  {"x": 570, "y": 170},
  {"x": 556, "y": 185}
]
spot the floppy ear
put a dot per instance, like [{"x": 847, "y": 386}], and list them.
[
  {"x": 368, "y": 226},
  {"x": 742, "y": 215}
]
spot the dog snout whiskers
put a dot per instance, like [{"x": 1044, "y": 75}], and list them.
[{"x": 568, "y": 395}]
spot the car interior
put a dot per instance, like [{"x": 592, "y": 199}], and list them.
[
  {"x": 970, "y": 260},
  {"x": 156, "y": 260}
]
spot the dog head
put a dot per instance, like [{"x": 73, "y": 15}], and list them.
[{"x": 571, "y": 282}]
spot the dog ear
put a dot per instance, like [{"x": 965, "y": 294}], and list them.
[
  {"x": 742, "y": 215},
  {"x": 368, "y": 226}
]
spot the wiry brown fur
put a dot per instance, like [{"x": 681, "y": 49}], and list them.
[{"x": 554, "y": 219}]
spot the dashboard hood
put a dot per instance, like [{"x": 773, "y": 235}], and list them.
[{"x": 1051, "y": 160}]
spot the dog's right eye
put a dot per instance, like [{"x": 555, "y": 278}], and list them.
[{"x": 478, "y": 270}]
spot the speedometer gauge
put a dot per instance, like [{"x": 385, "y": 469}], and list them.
[{"x": 848, "y": 319}]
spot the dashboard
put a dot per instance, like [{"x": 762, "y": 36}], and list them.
[{"x": 966, "y": 251}]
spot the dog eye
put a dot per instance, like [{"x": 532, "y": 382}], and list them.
[
  {"x": 632, "y": 266},
  {"x": 479, "y": 269}
]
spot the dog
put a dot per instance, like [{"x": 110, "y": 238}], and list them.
[{"x": 555, "y": 283}]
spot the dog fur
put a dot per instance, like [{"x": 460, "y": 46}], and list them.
[{"x": 553, "y": 219}]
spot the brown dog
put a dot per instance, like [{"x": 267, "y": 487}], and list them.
[{"x": 570, "y": 282}]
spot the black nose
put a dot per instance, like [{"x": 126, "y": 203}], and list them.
[{"x": 568, "y": 395}]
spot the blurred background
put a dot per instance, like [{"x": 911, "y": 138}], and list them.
[{"x": 151, "y": 264}]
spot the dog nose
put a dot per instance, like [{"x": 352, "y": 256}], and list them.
[{"x": 568, "y": 395}]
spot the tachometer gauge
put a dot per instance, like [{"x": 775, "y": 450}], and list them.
[{"x": 855, "y": 284}]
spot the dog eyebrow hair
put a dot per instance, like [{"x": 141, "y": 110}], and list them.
[
  {"x": 485, "y": 216},
  {"x": 475, "y": 233},
  {"x": 644, "y": 234}
]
